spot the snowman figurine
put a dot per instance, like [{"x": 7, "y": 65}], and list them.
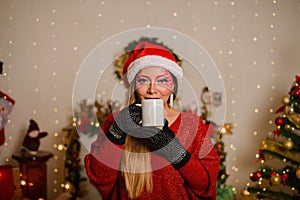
[{"x": 31, "y": 141}]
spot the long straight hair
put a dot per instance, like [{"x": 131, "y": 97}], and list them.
[
  {"x": 136, "y": 158},
  {"x": 136, "y": 161}
]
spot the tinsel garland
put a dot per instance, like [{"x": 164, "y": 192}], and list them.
[
  {"x": 288, "y": 133},
  {"x": 273, "y": 147}
]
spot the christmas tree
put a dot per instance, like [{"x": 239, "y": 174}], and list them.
[
  {"x": 278, "y": 176},
  {"x": 73, "y": 166},
  {"x": 224, "y": 191},
  {"x": 86, "y": 122}
]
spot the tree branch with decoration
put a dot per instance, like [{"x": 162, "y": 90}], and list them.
[
  {"x": 280, "y": 178},
  {"x": 224, "y": 191},
  {"x": 88, "y": 119},
  {"x": 73, "y": 177}
]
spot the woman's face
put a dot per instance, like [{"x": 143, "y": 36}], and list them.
[{"x": 154, "y": 82}]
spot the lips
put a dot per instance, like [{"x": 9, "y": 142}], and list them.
[{"x": 151, "y": 98}]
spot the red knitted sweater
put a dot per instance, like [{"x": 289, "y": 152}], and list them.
[{"x": 195, "y": 180}]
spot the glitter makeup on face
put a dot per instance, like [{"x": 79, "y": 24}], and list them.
[
  {"x": 164, "y": 80},
  {"x": 154, "y": 82}
]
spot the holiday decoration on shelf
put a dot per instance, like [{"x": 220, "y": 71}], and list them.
[
  {"x": 90, "y": 116},
  {"x": 209, "y": 100},
  {"x": 224, "y": 191},
  {"x": 206, "y": 104},
  {"x": 6, "y": 106},
  {"x": 120, "y": 61},
  {"x": 281, "y": 181},
  {"x": 31, "y": 141}
]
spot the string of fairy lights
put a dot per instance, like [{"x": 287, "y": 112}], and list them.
[
  {"x": 227, "y": 52},
  {"x": 272, "y": 66}
]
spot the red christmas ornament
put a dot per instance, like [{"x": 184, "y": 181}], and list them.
[
  {"x": 273, "y": 173},
  {"x": 283, "y": 177},
  {"x": 279, "y": 121},
  {"x": 255, "y": 176},
  {"x": 219, "y": 147},
  {"x": 298, "y": 79},
  {"x": 296, "y": 92}
]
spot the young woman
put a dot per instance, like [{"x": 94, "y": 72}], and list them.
[{"x": 131, "y": 161}]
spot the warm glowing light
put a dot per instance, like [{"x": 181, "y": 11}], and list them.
[
  {"x": 23, "y": 182},
  {"x": 226, "y": 129},
  {"x": 60, "y": 147},
  {"x": 67, "y": 186}
]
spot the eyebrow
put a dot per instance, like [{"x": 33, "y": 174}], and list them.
[{"x": 158, "y": 76}]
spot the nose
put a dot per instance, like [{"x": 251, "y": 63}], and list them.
[{"x": 151, "y": 88}]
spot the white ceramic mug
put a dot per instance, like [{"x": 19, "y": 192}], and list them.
[{"x": 153, "y": 112}]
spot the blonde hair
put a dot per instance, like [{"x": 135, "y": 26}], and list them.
[
  {"x": 136, "y": 158},
  {"x": 136, "y": 163},
  {"x": 136, "y": 167}
]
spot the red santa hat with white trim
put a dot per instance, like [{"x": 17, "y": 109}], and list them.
[{"x": 147, "y": 54}]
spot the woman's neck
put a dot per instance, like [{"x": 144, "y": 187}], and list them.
[{"x": 171, "y": 114}]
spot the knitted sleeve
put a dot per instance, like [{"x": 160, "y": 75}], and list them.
[{"x": 102, "y": 163}]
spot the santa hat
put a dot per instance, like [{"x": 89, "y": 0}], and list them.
[
  {"x": 147, "y": 54},
  {"x": 33, "y": 126}
]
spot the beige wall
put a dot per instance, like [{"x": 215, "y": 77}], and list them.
[{"x": 254, "y": 43}]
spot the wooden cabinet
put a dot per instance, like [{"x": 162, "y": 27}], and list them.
[{"x": 33, "y": 170}]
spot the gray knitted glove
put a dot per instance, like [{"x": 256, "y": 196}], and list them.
[
  {"x": 166, "y": 144},
  {"x": 126, "y": 121}
]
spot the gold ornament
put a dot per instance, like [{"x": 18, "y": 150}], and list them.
[
  {"x": 298, "y": 173},
  {"x": 285, "y": 100},
  {"x": 245, "y": 193},
  {"x": 275, "y": 180},
  {"x": 226, "y": 129},
  {"x": 288, "y": 144}
]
